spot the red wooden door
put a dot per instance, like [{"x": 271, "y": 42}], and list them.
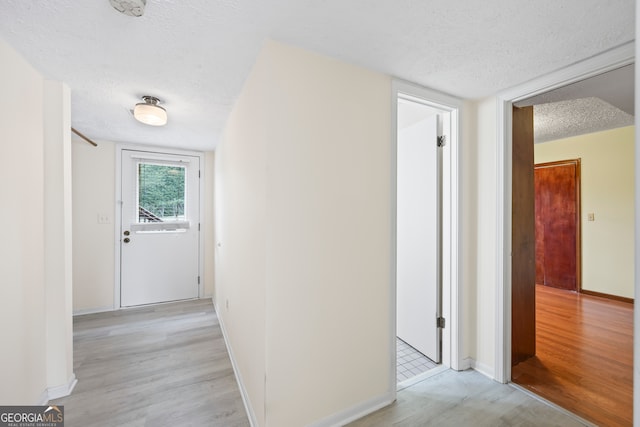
[{"x": 557, "y": 207}]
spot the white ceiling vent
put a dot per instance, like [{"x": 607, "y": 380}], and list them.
[{"x": 129, "y": 7}]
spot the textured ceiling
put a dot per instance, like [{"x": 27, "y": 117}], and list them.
[
  {"x": 614, "y": 87},
  {"x": 602, "y": 102},
  {"x": 196, "y": 55},
  {"x": 564, "y": 119}
]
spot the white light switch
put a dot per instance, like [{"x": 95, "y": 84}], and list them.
[
  {"x": 591, "y": 216},
  {"x": 104, "y": 219}
]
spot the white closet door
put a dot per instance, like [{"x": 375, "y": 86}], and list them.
[{"x": 418, "y": 248}]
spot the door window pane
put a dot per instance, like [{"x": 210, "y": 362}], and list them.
[{"x": 161, "y": 192}]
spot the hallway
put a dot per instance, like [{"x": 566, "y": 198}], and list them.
[
  {"x": 167, "y": 364},
  {"x": 159, "y": 365}
]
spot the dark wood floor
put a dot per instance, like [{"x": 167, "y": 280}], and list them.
[{"x": 584, "y": 356}]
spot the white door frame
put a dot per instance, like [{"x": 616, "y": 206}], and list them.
[
  {"x": 606, "y": 61},
  {"x": 118, "y": 203},
  {"x": 451, "y": 295}
]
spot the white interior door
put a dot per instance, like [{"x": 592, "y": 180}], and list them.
[
  {"x": 418, "y": 234},
  {"x": 160, "y": 224}
]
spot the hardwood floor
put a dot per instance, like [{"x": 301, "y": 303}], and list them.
[
  {"x": 161, "y": 365},
  {"x": 584, "y": 359}
]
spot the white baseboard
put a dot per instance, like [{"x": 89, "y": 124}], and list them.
[
  {"x": 421, "y": 377},
  {"x": 111, "y": 308},
  {"x": 93, "y": 310},
  {"x": 58, "y": 391},
  {"x": 356, "y": 412},
  {"x": 243, "y": 391},
  {"x": 43, "y": 399},
  {"x": 484, "y": 369},
  {"x": 466, "y": 363}
]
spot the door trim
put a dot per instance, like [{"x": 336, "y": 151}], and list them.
[
  {"x": 606, "y": 61},
  {"x": 451, "y": 295},
  {"x": 118, "y": 202}
]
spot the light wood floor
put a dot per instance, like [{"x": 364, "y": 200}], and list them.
[
  {"x": 584, "y": 360},
  {"x": 167, "y": 365},
  {"x": 163, "y": 365},
  {"x": 461, "y": 399}
]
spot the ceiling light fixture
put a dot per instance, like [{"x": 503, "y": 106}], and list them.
[
  {"x": 149, "y": 112},
  {"x": 129, "y": 7}
]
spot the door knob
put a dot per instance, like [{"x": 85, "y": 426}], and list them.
[
  {"x": 126, "y": 233},
  {"x": 126, "y": 240}
]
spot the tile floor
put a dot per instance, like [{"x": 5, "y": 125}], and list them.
[{"x": 410, "y": 362}]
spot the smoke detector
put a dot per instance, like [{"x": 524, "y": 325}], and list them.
[{"x": 129, "y": 7}]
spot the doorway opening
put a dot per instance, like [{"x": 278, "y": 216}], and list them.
[
  {"x": 418, "y": 234},
  {"x": 530, "y": 360},
  {"x": 158, "y": 244},
  {"x": 425, "y": 260}
]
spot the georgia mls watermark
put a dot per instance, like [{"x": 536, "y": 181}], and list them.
[{"x": 32, "y": 416}]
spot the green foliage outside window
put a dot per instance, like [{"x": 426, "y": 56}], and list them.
[{"x": 161, "y": 190}]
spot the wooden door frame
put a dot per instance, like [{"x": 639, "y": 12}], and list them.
[
  {"x": 523, "y": 221},
  {"x": 607, "y": 61},
  {"x": 577, "y": 163}
]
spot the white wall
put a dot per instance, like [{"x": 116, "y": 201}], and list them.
[
  {"x": 208, "y": 225},
  {"x": 328, "y": 236},
  {"x": 240, "y": 230},
  {"x": 93, "y": 242},
  {"x": 29, "y": 361},
  {"x": 58, "y": 237},
  {"x": 479, "y": 231},
  {"x": 607, "y": 188},
  {"x": 303, "y": 218},
  {"x": 22, "y": 294}
]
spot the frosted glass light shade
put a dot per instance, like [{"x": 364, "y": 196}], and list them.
[{"x": 150, "y": 113}]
